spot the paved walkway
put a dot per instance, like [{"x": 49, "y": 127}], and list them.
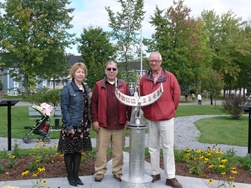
[{"x": 186, "y": 135}]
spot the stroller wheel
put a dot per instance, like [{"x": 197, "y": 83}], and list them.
[
  {"x": 26, "y": 140},
  {"x": 46, "y": 139}
]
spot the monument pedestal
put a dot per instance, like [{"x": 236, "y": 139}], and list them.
[{"x": 136, "y": 177}]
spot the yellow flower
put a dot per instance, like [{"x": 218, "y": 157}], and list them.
[
  {"x": 224, "y": 160},
  {"x": 197, "y": 151},
  {"x": 234, "y": 171},
  {"x": 233, "y": 168},
  {"x": 211, "y": 182},
  {"x": 231, "y": 177},
  {"x": 219, "y": 152},
  {"x": 35, "y": 174},
  {"x": 44, "y": 182},
  {"x": 41, "y": 169},
  {"x": 11, "y": 156},
  {"x": 223, "y": 173},
  {"x": 211, "y": 166},
  {"x": 206, "y": 159},
  {"x": 233, "y": 186},
  {"x": 188, "y": 151},
  {"x": 187, "y": 155},
  {"x": 25, "y": 172},
  {"x": 221, "y": 166}
]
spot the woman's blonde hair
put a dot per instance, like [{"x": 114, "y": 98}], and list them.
[{"x": 76, "y": 66}]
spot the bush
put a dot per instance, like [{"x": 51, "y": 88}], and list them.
[
  {"x": 45, "y": 95},
  {"x": 231, "y": 105}
]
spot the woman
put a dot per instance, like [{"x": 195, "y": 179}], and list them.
[{"x": 74, "y": 135}]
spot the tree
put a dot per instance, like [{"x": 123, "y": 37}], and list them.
[
  {"x": 30, "y": 30},
  {"x": 59, "y": 66},
  {"x": 96, "y": 49},
  {"x": 226, "y": 40},
  {"x": 213, "y": 82},
  {"x": 126, "y": 25},
  {"x": 244, "y": 56},
  {"x": 181, "y": 42}
]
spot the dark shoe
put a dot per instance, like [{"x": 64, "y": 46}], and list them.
[
  {"x": 155, "y": 178},
  {"x": 98, "y": 177},
  {"x": 117, "y": 176},
  {"x": 79, "y": 182},
  {"x": 72, "y": 182},
  {"x": 173, "y": 183}
]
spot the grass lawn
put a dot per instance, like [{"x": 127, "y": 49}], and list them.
[
  {"x": 190, "y": 110},
  {"x": 213, "y": 130},
  {"x": 223, "y": 130}
]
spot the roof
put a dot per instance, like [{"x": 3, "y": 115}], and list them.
[{"x": 74, "y": 59}]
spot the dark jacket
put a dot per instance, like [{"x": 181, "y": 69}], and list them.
[{"x": 72, "y": 105}]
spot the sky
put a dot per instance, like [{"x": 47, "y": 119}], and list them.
[{"x": 92, "y": 13}]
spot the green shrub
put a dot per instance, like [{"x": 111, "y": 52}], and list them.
[
  {"x": 231, "y": 105},
  {"x": 45, "y": 95}
]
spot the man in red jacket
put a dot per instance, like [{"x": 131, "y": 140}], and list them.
[
  {"x": 160, "y": 116},
  {"x": 109, "y": 120}
]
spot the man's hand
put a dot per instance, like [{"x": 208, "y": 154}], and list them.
[
  {"x": 126, "y": 125},
  {"x": 95, "y": 126}
]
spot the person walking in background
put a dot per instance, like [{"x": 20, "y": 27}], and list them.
[
  {"x": 160, "y": 117},
  {"x": 109, "y": 119},
  {"x": 76, "y": 118},
  {"x": 193, "y": 96},
  {"x": 199, "y": 99}
]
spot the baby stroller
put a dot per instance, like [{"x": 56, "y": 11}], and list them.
[{"x": 42, "y": 127}]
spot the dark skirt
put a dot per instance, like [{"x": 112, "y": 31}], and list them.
[{"x": 79, "y": 142}]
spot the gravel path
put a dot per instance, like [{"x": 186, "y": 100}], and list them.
[{"x": 186, "y": 135}]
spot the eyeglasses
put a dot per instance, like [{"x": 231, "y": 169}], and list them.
[
  {"x": 109, "y": 69},
  {"x": 154, "y": 61}
]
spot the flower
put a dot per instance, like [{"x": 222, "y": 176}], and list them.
[
  {"x": 35, "y": 174},
  {"x": 224, "y": 160},
  {"x": 44, "y": 182},
  {"x": 221, "y": 166},
  {"x": 231, "y": 177},
  {"x": 234, "y": 171},
  {"x": 25, "y": 172},
  {"x": 210, "y": 182},
  {"x": 41, "y": 169},
  {"x": 211, "y": 166}
]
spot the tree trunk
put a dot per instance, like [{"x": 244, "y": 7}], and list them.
[{"x": 26, "y": 85}]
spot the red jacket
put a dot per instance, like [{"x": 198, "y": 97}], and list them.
[
  {"x": 165, "y": 107},
  {"x": 99, "y": 103}
]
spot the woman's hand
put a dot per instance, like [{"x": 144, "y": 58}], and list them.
[{"x": 71, "y": 131}]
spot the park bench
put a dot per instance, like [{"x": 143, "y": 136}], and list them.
[{"x": 35, "y": 115}]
